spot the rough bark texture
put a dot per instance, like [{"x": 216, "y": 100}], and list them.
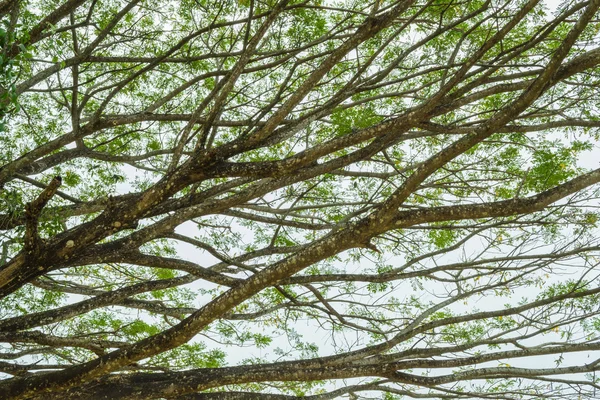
[{"x": 178, "y": 175}]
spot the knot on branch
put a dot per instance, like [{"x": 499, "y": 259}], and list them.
[{"x": 370, "y": 246}]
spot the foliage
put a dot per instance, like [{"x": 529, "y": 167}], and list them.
[{"x": 299, "y": 199}]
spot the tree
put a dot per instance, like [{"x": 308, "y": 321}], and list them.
[{"x": 299, "y": 199}]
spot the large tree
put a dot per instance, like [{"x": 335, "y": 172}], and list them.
[{"x": 261, "y": 199}]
